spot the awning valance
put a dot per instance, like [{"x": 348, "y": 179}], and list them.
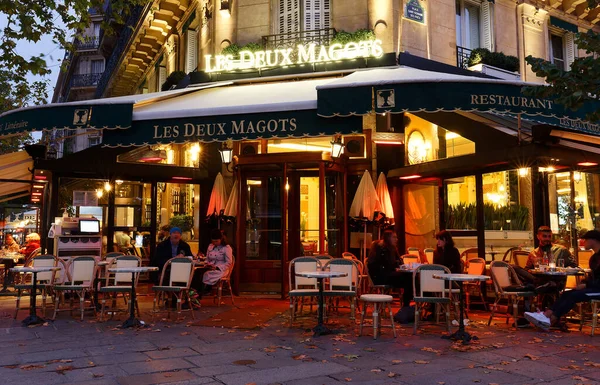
[
  {"x": 564, "y": 25},
  {"x": 405, "y": 89},
  {"x": 241, "y": 112}
]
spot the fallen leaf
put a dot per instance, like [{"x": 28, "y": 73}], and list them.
[
  {"x": 531, "y": 357},
  {"x": 421, "y": 362},
  {"x": 391, "y": 374},
  {"x": 61, "y": 369},
  {"x": 32, "y": 367},
  {"x": 252, "y": 314},
  {"x": 579, "y": 378},
  {"x": 61, "y": 361},
  {"x": 299, "y": 357},
  {"x": 351, "y": 357},
  {"x": 376, "y": 370},
  {"x": 168, "y": 374},
  {"x": 592, "y": 364},
  {"x": 347, "y": 379},
  {"x": 185, "y": 334},
  {"x": 369, "y": 349},
  {"x": 432, "y": 350},
  {"x": 396, "y": 361},
  {"x": 97, "y": 375}
]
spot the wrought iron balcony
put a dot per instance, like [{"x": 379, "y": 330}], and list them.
[
  {"x": 292, "y": 39},
  {"x": 462, "y": 57},
  {"x": 85, "y": 80},
  {"x": 87, "y": 43}
]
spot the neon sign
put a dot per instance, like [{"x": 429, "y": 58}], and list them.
[{"x": 302, "y": 54}]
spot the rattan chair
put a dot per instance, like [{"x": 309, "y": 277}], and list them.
[
  {"x": 44, "y": 283},
  {"x": 475, "y": 266},
  {"x": 429, "y": 253},
  {"x": 181, "y": 271},
  {"x": 225, "y": 280},
  {"x": 431, "y": 290},
  {"x": 503, "y": 276},
  {"x": 343, "y": 287},
  {"x": 519, "y": 258},
  {"x": 118, "y": 283},
  {"x": 81, "y": 272},
  {"x": 302, "y": 288}
]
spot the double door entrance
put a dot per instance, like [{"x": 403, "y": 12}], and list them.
[{"x": 289, "y": 210}]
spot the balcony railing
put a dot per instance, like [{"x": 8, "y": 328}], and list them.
[
  {"x": 85, "y": 80},
  {"x": 292, "y": 39},
  {"x": 462, "y": 57},
  {"x": 87, "y": 43}
]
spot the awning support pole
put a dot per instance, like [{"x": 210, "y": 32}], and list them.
[{"x": 519, "y": 128}]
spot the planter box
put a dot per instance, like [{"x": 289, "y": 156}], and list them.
[{"x": 495, "y": 72}]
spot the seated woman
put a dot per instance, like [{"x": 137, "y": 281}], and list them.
[
  {"x": 446, "y": 254},
  {"x": 219, "y": 259},
  {"x": 11, "y": 245},
  {"x": 382, "y": 263},
  {"x": 32, "y": 243}
]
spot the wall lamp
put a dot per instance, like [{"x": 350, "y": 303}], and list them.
[
  {"x": 226, "y": 8},
  {"x": 226, "y": 156}
]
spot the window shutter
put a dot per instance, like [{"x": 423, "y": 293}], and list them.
[
  {"x": 317, "y": 15},
  {"x": 570, "y": 47},
  {"x": 191, "y": 59},
  {"x": 289, "y": 16},
  {"x": 487, "y": 26},
  {"x": 162, "y": 77}
]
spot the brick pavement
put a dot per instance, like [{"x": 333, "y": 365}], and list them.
[{"x": 168, "y": 352}]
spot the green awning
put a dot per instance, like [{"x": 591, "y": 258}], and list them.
[
  {"x": 108, "y": 116},
  {"x": 564, "y": 25},
  {"x": 220, "y": 128},
  {"x": 407, "y": 89}
]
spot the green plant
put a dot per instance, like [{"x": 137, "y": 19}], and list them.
[
  {"x": 172, "y": 80},
  {"x": 496, "y": 59},
  {"x": 234, "y": 49},
  {"x": 184, "y": 222},
  {"x": 343, "y": 37},
  {"x": 464, "y": 217}
]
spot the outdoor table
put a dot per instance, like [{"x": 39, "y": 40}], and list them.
[
  {"x": 558, "y": 273},
  {"x": 10, "y": 258},
  {"x": 321, "y": 329},
  {"x": 132, "y": 321},
  {"x": 461, "y": 334},
  {"x": 33, "y": 319}
]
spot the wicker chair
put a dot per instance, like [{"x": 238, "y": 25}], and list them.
[
  {"x": 180, "y": 277},
  {"x": 301, "y": 287},
  {"x": 44, "y": 280},
  {"x": 119, "y": 283},
  {"x": 476, "y": 266},
  {"x": 81, "y": 272},
  {"x": 225, "y": 281},
  {"x": 503, "y": 276},
  {"x": 344, "y": 287},
  {"x": 431, "y": 290}
]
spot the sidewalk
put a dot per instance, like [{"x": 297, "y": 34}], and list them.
[{"x": 269, "y": 352}]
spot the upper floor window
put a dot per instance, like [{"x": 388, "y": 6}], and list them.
[
  {"x": 562, "y": 49},
  {"x": 97, "y": 66},
  {"x": 303, "y": 15},
  {"x": 191, "y": 50},
  {"x": 474, "y": 24}
]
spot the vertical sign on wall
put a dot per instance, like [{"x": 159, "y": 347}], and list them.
[{"x": 414, "y": 11}]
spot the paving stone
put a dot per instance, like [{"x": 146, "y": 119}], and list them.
[
  {"x": 52, "y": 355},
  {"x": 268, "y": 376},
  {"x": 97, "y": 381},
  {"x": 96, "y": 372},
  {"x": 169, "y": 353},
  {"x": 152, "y": 366},
  {"x": 119, "y": 358},
  {"x": 123, "y": 346},
  {"x": 227, "y": 358},
  {"x": 156, "y": 378},
  {"x": 214, "y": 370}
]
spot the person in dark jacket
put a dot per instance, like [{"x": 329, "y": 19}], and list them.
[
  {"x": 167, "y": 249},
  {"x": 583, "y": 292},
  {"x": 382, "y": 263},
  {"x": 446, "y": 254}
]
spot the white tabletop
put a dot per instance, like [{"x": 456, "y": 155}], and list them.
[
  {"x": 139, "y": 269},
  {"x": 33, "y": 269},
  {"x": 461, "y": 277},
  {"x": 321, "y": 274}
]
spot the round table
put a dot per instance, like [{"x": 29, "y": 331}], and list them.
[
  {"x": 33, "y": 319},
  {"x": 321, "y": 329},
  {"x": 132, "y": 321},
  {"x": 10, "y": 258},
  {"x": 559, "y": 273},
  {"x": 461, "y": 334}
]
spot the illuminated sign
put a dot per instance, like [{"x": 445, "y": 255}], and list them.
[{"x": 302, "y": 54}]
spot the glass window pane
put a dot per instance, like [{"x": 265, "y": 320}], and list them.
[
  {"x": 263, "y": 224},
  {"x": 461, "y": 213},
  {"x": 472, "y": 33}
]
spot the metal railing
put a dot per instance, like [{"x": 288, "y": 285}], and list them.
[
  {"x": 87, "y": 43},
  {"x": 462, "y": 57},
  {"x": 292, "y": 39},
  {"x": 85, "y": 80}
]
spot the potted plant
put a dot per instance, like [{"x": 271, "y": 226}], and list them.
[
  {"x": 495, "y": 64},
  {"x": 185, "y": 223}
]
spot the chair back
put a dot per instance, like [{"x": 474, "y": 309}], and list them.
[
  {"x": 429, "y": 252},
  {"x": 469, "y": 254},
  {"x": 508, "y": 255},
  {"x": 182, "y": 271},
  {"x": 427, "y": 284},
  {"x": 520, "y": 258},
  {"x": 348, "y": 255},
  {"x": 476, "y": 266},
  {"x": 32, "y": 255},
  {"x": 413, "y": 251},
  {"x": 350, "y": 281},
  {"x": 410, "y": 258},
  {"x": 125, "y": 261},
  {"x": 82, "y": 269},
  {"x": 227, "y": 274},
  {"x": 45, "y": 261},
  {"x": 303, "y": 264},
  {"x": 583, "y": 258},
  {"x": 323, "y": 257},
  {"x": 503, "y": 275}
]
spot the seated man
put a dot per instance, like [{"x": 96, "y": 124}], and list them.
[
  {"x": 570, "y": 298},
  {"x": 544, "y": 236},
  {"x": 167, "y": 249}
]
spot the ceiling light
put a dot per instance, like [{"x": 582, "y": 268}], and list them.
[
  {"x": 410, "y": 177},
  {"x": 587, "y": 164}
]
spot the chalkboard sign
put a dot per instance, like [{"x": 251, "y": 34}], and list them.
[{"x": 414, "y": 11}]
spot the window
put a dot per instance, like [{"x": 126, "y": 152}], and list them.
[
  {"x": 562, "y": 49},
  {"x": 191, "y": 52},
  {"x": 97, "y": 66},
  {"x": 303, "y": 15},
  {"x": 162, "y": 77},
  {"x": 96, "y": 29},
  {"x": 474, "y": 24}
]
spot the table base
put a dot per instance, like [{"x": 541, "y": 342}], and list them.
[
  {"x": 322, "y": 330},
  {"x": 461, "y": 335},
  {"x": 33, "y": 320},
  {"x": 133, "y": 323}
]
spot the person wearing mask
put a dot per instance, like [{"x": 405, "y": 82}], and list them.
[
  {"x": 32, "y": 243},
  {"x": 555, "y": 251},
  {"x": 446, "y": 254},
  {"x": 219, "y": 260},
  {"x": 588, "y": 289},
  {"x": 167, "y": 249},
  {"x": 11, "y": 245},
  {"x": 383, "y": 262}
]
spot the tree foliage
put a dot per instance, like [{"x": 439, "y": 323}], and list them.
[{"x": 578, "y": 86}]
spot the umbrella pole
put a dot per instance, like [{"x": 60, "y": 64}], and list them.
[{"x": 365, "y": 244}]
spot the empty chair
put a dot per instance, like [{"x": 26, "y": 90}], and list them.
[
  {"x": 118, "y": 283},
  {"x": 301, "y": 287},
  {"x": 507, "y": 286},
  {"x": 343, "y": 287},
  {"x": 81, "y": 272},
  {"x": 429, "y": 252},
  {"x": 431, "y": 290},
  {"x": 45, "y": 280},
  {"x": 413, "y": 251},
  {"x": 469, "y": 254},
  {"x": 475, "y": 266},
  {"x": 381, "y": 303},
  {"x": 583, "y": 258},
  {"x": 181, "y": 271},
  {"x": 508, "y": 255}
]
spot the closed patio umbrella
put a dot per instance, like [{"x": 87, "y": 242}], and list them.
[
  {"x": 365, "y": 203},
  {"x": 232, "y": 202},
  {"x": 218, "y": 197},
  {"x": 383, "y": 193}
]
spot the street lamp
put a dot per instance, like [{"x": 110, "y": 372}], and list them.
[
  {"x": 226, "y": 155},
  {"x": 337, "y": 147}
]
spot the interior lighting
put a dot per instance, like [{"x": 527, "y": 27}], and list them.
[
  {"x": 523, "y": 172},
  {"x": 451, "y": 135},
  {"x": 577, "y": 176},
  {"x": 587, "y": 164},
  {"x": 107, "y": 186},
  {"x": 300, "y": 147},
  {"x": 337, "y": 148},
  {"x": 410, "y": 177},
  {"x": 99, "y": 193}
]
